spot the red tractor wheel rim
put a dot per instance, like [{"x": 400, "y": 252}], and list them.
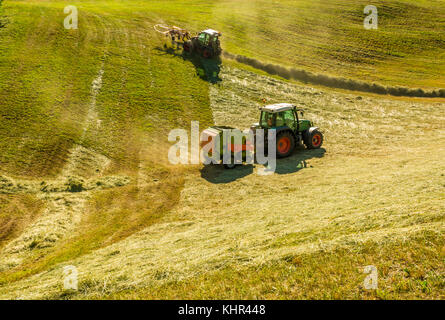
[
  {"x": 316, "y": 140},
  {"x": 284, "y": 145}
]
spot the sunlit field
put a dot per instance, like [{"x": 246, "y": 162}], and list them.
[{"x": 85, "y": 180}]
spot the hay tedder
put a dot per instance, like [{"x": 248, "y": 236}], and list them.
[{"x": 206, "y": 43}]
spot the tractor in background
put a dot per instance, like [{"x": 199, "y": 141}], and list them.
[{"x": 206, "y": 43}]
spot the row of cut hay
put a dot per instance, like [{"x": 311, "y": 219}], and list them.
[{"x": 334, "y": 82}]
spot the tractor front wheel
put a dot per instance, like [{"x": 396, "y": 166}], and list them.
[
  {"x": 188, "y": 46},
  {"x": 314, "y": 140},
  {"x": 285, "y": 144},
  {"x": 207, "y": 53}
]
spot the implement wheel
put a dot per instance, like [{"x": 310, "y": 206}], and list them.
[{"x": 232, "y": 163}]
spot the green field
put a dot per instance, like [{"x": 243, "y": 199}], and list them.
[{"x": 85, "y": 181}]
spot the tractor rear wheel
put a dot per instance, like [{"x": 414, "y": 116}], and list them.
[
  {"x": 314, "y": 140},
  {"x": 285, "y": 144}
]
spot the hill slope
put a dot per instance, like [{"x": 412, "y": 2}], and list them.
[{"x": 84, "y": 180}]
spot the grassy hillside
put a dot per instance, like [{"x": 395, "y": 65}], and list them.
[
  {"x": 408, "y": 270},
  {"x": 84, "y": 179},
  {"x": 82, "y": 105},
  {"x": 320, "y": 36},
  {"x": 328, "y": 37}
]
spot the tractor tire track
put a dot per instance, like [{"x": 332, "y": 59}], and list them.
[{"x": 66, "y": 196}]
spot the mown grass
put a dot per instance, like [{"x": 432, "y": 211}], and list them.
[
  {"x": 16, "y": 213},
  {"x": 409, "y": 269},
  {"x": 373, "y": 180},
  {"x": 351, "y": 195},
  {"x": 47, "y": 73},
  {"x": 321, "y": 36},
  {"x": 112, "y": 216}
]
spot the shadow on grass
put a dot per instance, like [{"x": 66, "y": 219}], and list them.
[
  {"x": 206, "y": 69},
  {"x": 218, "y": 174},
  {"x": 296, "y": 162}
]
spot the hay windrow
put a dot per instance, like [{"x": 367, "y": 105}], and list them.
[{"x": 334, "y": 82}]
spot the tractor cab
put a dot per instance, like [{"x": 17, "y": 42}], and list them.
[
  {"x": 208, "y": 37},
  {"x": 205, "y": 43},
  {"x": 283, "y": 115}
]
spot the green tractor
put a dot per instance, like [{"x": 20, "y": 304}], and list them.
[
  {"x": 206, "y": 43},
  {"x": 282, "y": 117},
  {"x": 290, "y": 129}
]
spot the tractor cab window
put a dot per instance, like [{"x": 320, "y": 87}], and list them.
[
  {"x": 289, "y": 118},
  {"x": 285, "y": 118},
  {"x": 203, "y": 38},
  {"x": 267, "y": 120},
  {"x": 215, "y": 42},
  {"x": 280, "y": 119}
]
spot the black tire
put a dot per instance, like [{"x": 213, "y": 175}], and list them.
[
  {"x": 285, "y": 144},
  {"x": 232, "y": 164},
  {"x": 207, "y": 53},
  {"x": 313, "y": 140}
]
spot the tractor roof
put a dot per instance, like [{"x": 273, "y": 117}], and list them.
[
  {"x": 278, "y": 107},
  {"x": 212, "y": 32}
]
